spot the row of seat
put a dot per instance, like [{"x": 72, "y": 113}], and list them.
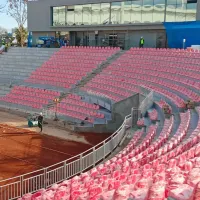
[
  {"x": 82, "y": 110},
  {"x": 68, "y": 66},
  {"x": 31, "y": 97},
  {"x": 36, "y": 90},
  {"x": 157, "y": 64},
  {"x": 161, "y": 71},
  {"x": 80, "y": 103},
  {"x": 55, "y": 70},
  {"x": 140, "y": 122},
  {"x": 133, "y": 81},
  {"x": 153, "y": 115},
  {"x": 166, "y": 59},
  {"x": 74, "y": 113},
  {"x": 86, "y": 111},
  {"x": 124, "y": 74},
  {"x": 169, "y": 52},
  {"x": 127, "y": 175}
]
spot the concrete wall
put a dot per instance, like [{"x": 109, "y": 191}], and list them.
[
  {"x": 119, "y": 111},
  {"x": 39, "y": 18},
  {"x": 198, "y": 9}
]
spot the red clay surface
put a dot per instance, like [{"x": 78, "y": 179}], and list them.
[{"x": 23, "y": 151}]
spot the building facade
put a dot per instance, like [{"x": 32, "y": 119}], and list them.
[{"x": 109, "y": 23}]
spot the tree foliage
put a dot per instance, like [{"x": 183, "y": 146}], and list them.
[
  {"x": 18, "y": 10},
  {"x": 2, "y": 8},
  {"x": 2, "y": 30},
  {"x": 21, "y": 35}
]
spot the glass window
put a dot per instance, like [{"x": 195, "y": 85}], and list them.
[
  {"x": 96, "y": 19},
  {"x": 55, "y": 16},
  {"x": 159, "y": 11},
  {"x": 78, "y": 15},
  {"x": 126, "y": 12},
  {"x": 70, "y": 17},
  {"x": 87, "y": 14},
  {"x": 191, "y": 12},
  {"x": 180, "y": 12},
  {"x": 171, "y": 2},
  {"x": 61, "y": 17},
  {"x": 147, "y": 11},
  {"x": 171, "y": 13},
  {"x": 105, "y": 13},
  {"x": 116, "y": 12},
  {"x": 136, "y": 14}
]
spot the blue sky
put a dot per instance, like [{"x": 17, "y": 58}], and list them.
[{"x": 5, "y": 20}]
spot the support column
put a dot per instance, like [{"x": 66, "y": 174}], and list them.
[
  {"x": 135, "y": 114},
  {"x": 198, "y": 10}
]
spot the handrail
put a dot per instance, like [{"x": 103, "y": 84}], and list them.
[{"x": 16, "y": 187}]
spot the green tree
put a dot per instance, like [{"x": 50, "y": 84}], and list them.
[
  {"x": 17, "y": 9},
  {"x": 2, "y": 8},
  {"x": 21, "y": 35}
]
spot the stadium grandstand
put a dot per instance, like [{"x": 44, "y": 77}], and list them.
[{"x": 147, "y": 100}]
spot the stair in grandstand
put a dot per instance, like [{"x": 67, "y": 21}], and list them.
[
  {"x": 4, "y": 89},
  {"x": 97, "y": 70},
  {"x": 89, "y": 77},
  {"x": 18, "y": 63}
]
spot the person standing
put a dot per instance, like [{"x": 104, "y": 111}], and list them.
[
  {"x": 141, "y": 45},
  {"x": 40, "y": 122},
  {"x": 65, "y": 41}
]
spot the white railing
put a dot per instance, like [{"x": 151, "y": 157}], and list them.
[{"x": 15, "y": 187}]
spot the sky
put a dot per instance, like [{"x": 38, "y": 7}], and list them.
[{"x": 5, "y": 20}]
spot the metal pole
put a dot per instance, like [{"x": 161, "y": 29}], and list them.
[{"x": 184, "y": 40}]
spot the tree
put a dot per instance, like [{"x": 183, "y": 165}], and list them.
[
  {"x": 21, "y": 35},
  {"x": 18, "y": 10},
  {"x": 2, "y": 8},
  {"x": 2, "y": 30}
]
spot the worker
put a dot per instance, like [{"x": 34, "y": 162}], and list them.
[
  {"x": 65, "y": 42},
  {"x": 40, "y": 122},
  {"x": 61, "y": 42},
  {"x": 141, "y": 42}
]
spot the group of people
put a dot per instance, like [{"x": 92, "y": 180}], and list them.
[{"x": 64, "y": 42}]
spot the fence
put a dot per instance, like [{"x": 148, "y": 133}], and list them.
[{"x": 15, "y": 187}]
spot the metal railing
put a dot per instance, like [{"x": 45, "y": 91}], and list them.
[{"x": 15, "y": 187}]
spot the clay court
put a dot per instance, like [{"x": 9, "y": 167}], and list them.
[{"x": 23, "y": 150}]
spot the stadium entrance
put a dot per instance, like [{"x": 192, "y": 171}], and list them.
[{"x": 97, "y": 38}]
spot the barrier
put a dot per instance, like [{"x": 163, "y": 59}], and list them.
[{"x": 15, "y": 187}]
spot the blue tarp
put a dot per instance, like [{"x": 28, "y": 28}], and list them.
[{"x": 177, "y": 31}]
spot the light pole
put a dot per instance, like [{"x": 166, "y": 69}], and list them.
[{"x": 56, "y": 101}]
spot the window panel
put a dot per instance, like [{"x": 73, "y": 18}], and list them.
[
  {"x": 78, "y": 14},
  {"x": 147, "y": 11},
  {"x": 61, "y": 18},
  {"x": 180, "y": 12},
  {"x": 87, "y": 14},
  {"x": 116, "y": 12},
  {"x": 96, "y": 18},
  {"x": 136, "y": 15},
  {"x": 191, "y": 12},
  {"x": 55, "y": 16},
  {"x": 70, "y": 17},
  {"x": 126, "y": 12},
  {"x": 159, "y": 11},
  {"x": 105, "y": 13},
  {"x": 171, "y": 13},
  {"x": 171, "y": 2}
]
